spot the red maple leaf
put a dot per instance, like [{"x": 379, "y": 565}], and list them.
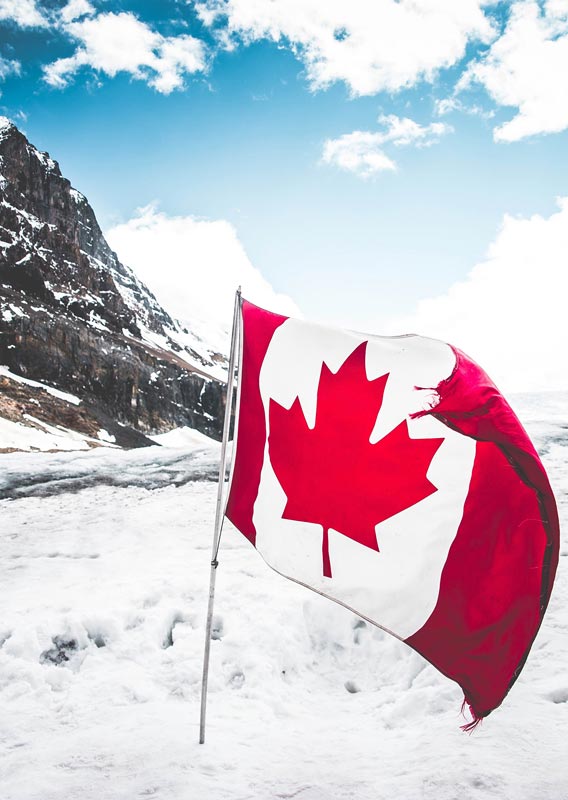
[{"x": 332, "y": 475}]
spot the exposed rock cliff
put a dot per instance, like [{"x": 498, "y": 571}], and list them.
[{"x": 72, "y": 316}]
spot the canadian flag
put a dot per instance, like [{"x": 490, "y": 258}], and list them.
[{"x": 390, "y": 475}]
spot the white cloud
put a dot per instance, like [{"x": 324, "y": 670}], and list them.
[
  {"x": 527, "y": 68},
  {"x": 449, "y": 104},
  {"x": 362, "y": 152},
  {"x": 510, "y": 312},
  {"x": 404, "y": 131},
  {"x": 359, "y": 152},
  {"x": 75, "y": 9},
  {"x": 9, "y": 67},
  {"x": 194, "y": 267},
  {"x": 557, "y": 8},
  {"x": 371, "y": 45},
  {"x": 23, "y": 13},
  {"x": 113, "y": 43},
  {"x": 179, "y": 55}
]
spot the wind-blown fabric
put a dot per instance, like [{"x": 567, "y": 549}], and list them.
[{"x": 390, "y": 475}]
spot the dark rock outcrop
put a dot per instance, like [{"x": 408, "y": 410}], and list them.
[{"x": 73, "y": 317}]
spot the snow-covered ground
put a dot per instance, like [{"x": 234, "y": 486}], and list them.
[{"x": 103, "y": 585}]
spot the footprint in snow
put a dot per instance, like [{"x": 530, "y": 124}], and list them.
[
  {"x": 558, "y": 695},
  {"x": 62, "y": 651},
  {"x": 237, "y": 679},
  {"x": 358, "y": 627},
  {"x": 168, "y": 640},
  {"x": 217, "y": 627}
]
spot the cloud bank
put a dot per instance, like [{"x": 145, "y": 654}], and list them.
[
  {"x": 194, "y": 267},
  {"x": 510, "y": 312}
]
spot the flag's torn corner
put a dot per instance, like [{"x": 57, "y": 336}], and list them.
[
  {"x": 431, "y": 396},
  {"x": 476, "y": 720}
]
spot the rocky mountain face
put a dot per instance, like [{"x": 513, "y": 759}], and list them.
[{"x": 73, "y": 317}]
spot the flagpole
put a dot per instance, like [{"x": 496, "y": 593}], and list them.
[{"x": 219, "y": 513}]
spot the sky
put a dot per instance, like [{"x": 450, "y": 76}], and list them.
[{"x": 379, "y": 165}]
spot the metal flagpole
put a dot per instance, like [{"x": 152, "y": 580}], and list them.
[{"x": 219, "y": 514}]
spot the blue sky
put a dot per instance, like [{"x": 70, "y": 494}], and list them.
[{"x": 242, "y": 136}]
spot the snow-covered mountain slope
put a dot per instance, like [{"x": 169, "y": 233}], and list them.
[
  {"x": 73, "y": 317},
  {"x": 103, "y": 584}
]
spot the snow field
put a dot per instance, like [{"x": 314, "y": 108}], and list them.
[{"x": 103, "y": 585}]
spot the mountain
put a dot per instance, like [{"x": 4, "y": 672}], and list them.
[{"x": 74, "y": 318}]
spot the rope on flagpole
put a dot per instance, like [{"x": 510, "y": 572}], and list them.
[{"x": 219, "y": 513}]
